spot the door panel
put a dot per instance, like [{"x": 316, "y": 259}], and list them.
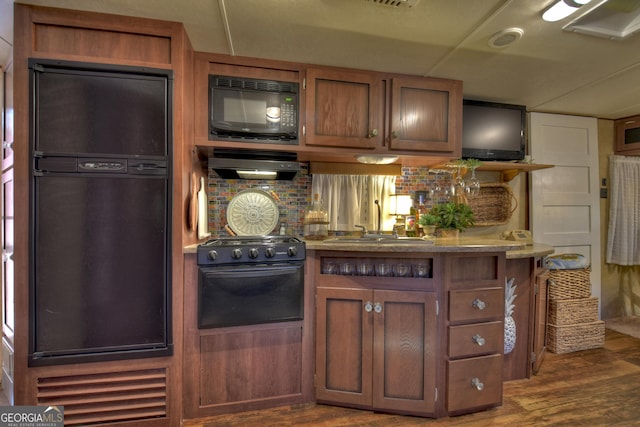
[
  {"x": 343, "y": 109},
  {"x": 343, "y": 346},
  {"x": 565, "y": 204},
  {"x": 404, "y": 351}
]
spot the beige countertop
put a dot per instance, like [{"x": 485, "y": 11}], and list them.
[
  {"x": 437, "y": 245},
  {"x": 535, "y": 250},
  {"x": 514, "y": 250}
]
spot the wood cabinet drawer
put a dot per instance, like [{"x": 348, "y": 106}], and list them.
[
  {"x": 476, "y": 339},
  {"x": 476, "y": 305},
  {"x": 474, "y": 383}
]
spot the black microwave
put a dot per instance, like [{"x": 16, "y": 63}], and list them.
[{"x": 253, "y": 110}]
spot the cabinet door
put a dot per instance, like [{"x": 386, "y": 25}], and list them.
[
  {"x": 343, "y": 346},
  {"x": 426, "y": 115},
  {"x": 404, "y": 361},
  {"x": 627, "y": 136},
  {"x": 343, "y": 109},
  {"x": 540, "y": 321}
]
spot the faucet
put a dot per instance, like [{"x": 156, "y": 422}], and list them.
[
  {"x": 379, "y": 216},
  {"x": 378, "y": 233},
  {"x": 364, "y": 229}
]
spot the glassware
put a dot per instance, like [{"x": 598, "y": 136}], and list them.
[
  {"x": 401, "y": 270},
  {"x": 383, "y": 269},
  {"x": 329, "y": 267},
  {"x": 474, "y": 183},
  {"x": 347, "y": 268},
  {"x": 420, "y": 270},
  {"x": 365, "y": 269}
]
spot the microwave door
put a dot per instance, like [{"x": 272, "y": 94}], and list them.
[
  {"x": 246, "y": 113},
  {"x": 239, "y": 111}
]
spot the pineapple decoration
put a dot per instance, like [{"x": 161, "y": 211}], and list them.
[{"x": 509, "y": 323}]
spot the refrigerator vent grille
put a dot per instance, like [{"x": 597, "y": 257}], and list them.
[{"x": 106, "y": 397}]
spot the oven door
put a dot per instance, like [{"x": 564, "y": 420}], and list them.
[{"x": 250, "y": 294}]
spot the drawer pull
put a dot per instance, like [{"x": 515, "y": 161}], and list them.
[
  {"x": 377, "y": 307},
  {"x": 479, "y": 304},
  {"x": 475, "y": 383},
  {"x": 478, "y": 340},
  {"x": 368, "y": 306}
]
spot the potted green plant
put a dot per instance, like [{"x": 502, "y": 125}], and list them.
[
  {"x": 429, "y": 222},
  {"x": 450, "y": 216}
]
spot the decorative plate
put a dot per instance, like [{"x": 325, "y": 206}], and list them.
[{"x": 252, "y": 212}]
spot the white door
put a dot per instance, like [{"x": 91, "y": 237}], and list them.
[{"x": 565, "y": 205}]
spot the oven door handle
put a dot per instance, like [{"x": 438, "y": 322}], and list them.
[{"x": 262, "y": 271}]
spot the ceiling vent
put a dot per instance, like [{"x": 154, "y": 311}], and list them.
[
  {"x": 395, "y": 3},
  {"x": 613, "y": 19}
]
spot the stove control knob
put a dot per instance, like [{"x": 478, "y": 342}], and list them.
[
  {"x": 270, "y": 252},
  {"x": 212, "y": 255},
  {"x": 253, "y": 253},
  {"x": 236, "y": 253},
  {"x": 292, "y": 251}
]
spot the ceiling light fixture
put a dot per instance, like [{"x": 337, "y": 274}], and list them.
[
  {"x": 561, "y": 9},
  {"x": 505, "y": 37}
]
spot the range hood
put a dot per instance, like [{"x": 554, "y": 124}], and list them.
[{"x": 244, "y": 164}]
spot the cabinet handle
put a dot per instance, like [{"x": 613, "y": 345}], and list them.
[
  {"x": 478, "y": 340},
  {"x": 475, "y": 383},
  {"x": 7, "y": 145},
  {"x": 368, "y": 306},
  {"x": 479, "y": 304},
  {"x": 377, "y": 307},
  {"x": 394, "y": 134},
  {"x": 373, "y": 133}
]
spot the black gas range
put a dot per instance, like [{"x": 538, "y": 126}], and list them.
[
  {"x": 248, "y": 280},
  {"x": 251, "y": 249}
]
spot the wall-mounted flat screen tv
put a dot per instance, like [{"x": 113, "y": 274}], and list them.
[{"x": 493, "y": 131}]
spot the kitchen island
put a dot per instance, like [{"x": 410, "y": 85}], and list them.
[
  {"x": 425, "y": 340},
  {"x": 416, "y": 327}
]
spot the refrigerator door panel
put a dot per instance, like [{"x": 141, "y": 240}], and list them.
[
  {"x": 101, "y": 265},
  {"x": 101, "y": 113}
]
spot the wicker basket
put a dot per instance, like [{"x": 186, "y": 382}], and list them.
[
  {"x": 569, "y": 284},
  {"x": 494, "y": 205},
  {"x": 569, "y": 338},
  {"x": 571, "y": 311}
]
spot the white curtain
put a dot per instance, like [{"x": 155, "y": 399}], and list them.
[
  {"x": 350, "y": 200},
  {"x": 623, "y": 245}
]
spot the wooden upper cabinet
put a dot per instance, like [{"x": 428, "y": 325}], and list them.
[
  {"x": 627, "y": 136},
  {"x": 426, "y": 115},
  {"x": 343, "y": 109},
  {"x": 349, "y": 109}
]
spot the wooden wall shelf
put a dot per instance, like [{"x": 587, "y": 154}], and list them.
[{"x": 510, "y": 170}]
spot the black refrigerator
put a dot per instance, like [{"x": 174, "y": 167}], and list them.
[{"x": 100, "y": 212}]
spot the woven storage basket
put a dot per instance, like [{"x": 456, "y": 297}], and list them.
[
  {"x": 571, "y": 311},
  {"x": 569, "y": 284},
  {"x": 569, "y": 338},
  {"x": 494, "y": 205}
]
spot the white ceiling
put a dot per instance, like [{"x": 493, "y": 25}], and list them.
[{"x": 548, "y": 69}]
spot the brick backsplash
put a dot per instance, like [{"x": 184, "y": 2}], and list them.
[{"x": 295, "y": 195}]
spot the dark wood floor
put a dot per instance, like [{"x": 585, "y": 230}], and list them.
[{"x": 592, "y": 388}]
